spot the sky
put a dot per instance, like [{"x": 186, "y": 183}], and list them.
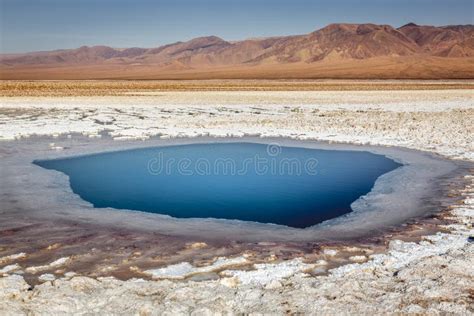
[{"x": 37, "y": 25}]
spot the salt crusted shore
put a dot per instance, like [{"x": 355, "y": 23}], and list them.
[{"x": 433, "y": 276}]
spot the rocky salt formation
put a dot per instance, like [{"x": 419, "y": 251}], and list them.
[
  {"x": 55, "y": 264},
  {"x": 430, "y": 277},
  {"x": 433, "y": 276},
  {"x": 437, "y": 121},
  {"x": 13, "y": 257},
  {"x": 185, "y": 269}
]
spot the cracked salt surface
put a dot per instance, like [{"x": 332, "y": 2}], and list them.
[
  {"x": 394, "y": 123},
  {"x": 55, "y": 264},
  {"x": 397, "y": 196},
  {"x": 433, "y": 276},
  {"x": 301, "y": 115},
  {"x": 185, "y": 269}
]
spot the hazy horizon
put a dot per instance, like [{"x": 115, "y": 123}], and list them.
[{"x": 42, "y": 25}]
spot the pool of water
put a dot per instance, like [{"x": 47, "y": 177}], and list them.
[{"x": 296, "y": 187}]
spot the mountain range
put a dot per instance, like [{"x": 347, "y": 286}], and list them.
[{"x": 335, "y": 51}]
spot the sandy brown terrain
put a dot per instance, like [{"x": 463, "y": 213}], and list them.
[
  {"x": 373, "y": 68},
  {"x": 18, "y": 88}
]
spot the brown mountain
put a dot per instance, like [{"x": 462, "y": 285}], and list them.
[
  {"x": 447, "y": 41},
  {"x": 342, "y": 41},
  {"x": 337, "y": 50}
]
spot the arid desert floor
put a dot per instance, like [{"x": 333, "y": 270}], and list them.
[{"x": 424, "y": 266}]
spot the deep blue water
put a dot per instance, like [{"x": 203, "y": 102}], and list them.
[{"x": 297, "y": 187}]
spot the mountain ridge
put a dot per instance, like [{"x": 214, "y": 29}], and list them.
[{"x": 337, "y": 42}]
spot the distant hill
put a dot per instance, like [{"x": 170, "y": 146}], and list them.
[{"x": 335, "y": 51}]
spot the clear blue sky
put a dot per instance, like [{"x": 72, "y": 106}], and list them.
[{"x": 33, "y": 25}]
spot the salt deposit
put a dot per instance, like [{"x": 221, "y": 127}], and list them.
[
  {"x": 13, "y": 257},
  {"x": 433, "y": 276},
  {"x": 437, "y": 121},
  {"x": 185, "y": 269},
  {"x": 55, "y": 264}
]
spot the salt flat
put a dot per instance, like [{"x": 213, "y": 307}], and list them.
[
  {"x": 432, "y": 120},
  {"x": 433, "y": 275}
]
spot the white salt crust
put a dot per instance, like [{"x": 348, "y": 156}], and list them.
[{"x": 431, "y": 277}]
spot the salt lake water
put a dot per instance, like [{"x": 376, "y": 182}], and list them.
[{"x": 292, "y": 186}]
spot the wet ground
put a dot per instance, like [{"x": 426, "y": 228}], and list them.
[{"x": 102, "y": 249}]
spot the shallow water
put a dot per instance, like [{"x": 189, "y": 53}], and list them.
[{"x": 296, "y": 187}]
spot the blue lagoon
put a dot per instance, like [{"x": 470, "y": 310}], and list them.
[{"x": 291, "y": 186}]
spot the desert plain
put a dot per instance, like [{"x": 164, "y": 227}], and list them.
[{"x": 421, "y": 266}]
